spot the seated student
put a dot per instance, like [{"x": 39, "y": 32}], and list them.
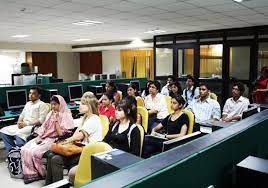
[
  {"x": 145, "y": 92},
  {"x": 191, "y": 91},
  {"x": 236, "y": 105},
  {"x": 156, "y": 105},
  {"x": 110, "y": 87},
  {"x": 124, "y": 134},
  {"x": 131, "y": 94},
  {"x": 34, "y": 113},
  {"x": 90, "y": 130},
  {"x": 205, "y": 108},
  {"x": 106, "y": 108},
  {"x": 165, "y": 90},
  {"x": 175, "y": 89},
  {"x": 57, "y": 122},
  {"x": 175, "y": 125}
]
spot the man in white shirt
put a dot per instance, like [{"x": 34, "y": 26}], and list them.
[
  {"x": 156, "y": 105},
  {"x": 34, "y": 113},
  {"x": 190, "y": 92},
  {"x": 205, "y": 108},
  {"x": 236, "y": 105},
  {"x": 165, "y": 90}
]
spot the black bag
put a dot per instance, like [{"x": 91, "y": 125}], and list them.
[
  {"x": 33, "y": 133},
  {"x": 14, "y": 163},
  {"x": 66, "y": 135}
]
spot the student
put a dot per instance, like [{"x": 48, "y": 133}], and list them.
[
  {"x": 165, "y": 91},
  {"x": 90, "y": 130},
  {"x": 261, "y": 92},
  {"x": 110, "y": 87},
  {"x": 205, "y": 108},
  {"x": 34, "y": 113},
  {"x": 124, "y": 134},
  {"x": 131, "y": 94},
  {"x": 145, "y": 92},
  {"x": 175, "y": 89},
  {"x": 156, "y": 105},
  {"x": 175, "y": 125},
  {"x": 106, "y": 108},
  {"x": 57, "y": 122},
  {"x": 236, "y": 105},
  {"x": 191, "y": 91}
]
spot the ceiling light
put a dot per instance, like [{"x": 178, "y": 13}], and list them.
[
  {"x": 87, "y": 22},
  {"x": 20, "y": 36},
  {"x": 238, "y": 1},
  {"x": 80, "y": 40},
  {"x": 155, "y": 31}
]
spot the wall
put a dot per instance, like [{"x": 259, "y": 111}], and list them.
[
  {"x": 68, "y": 64},
  {"x": 91, "y": 62},
  {"x": 111, "y": 61}
]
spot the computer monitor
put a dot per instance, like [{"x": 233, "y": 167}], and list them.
[
  {"x": 136, "y": 83},
  {"x": 104, "y": 76},
  {"x": 251, "y": 111},
  {"x": 75, "y": 92},
  {"x": 16, "y": 98},
  {"x": 96, "y": 77},
  {"x": 46, "y": 94},
  {"x": 39, "y": 80},
  {"x": 112, "y": 76},
  {"x": 123, "y": 88},
  {"x": 96, "y": 90}
]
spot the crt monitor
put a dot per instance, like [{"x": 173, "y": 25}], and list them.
[
  {"x": 96, "y": 77},
  {"x": 46, "y": 94},
  {"x": 75, "y": 92},
  {"x": 96, "y": 90},
  {"x": 16, "y": 98},
  {"x": 136, "y": 83},
  {"x": 123, "y": 88},
  {"x": 112, "y": 76},
  {"x": 251, "y": 111},
  {"x": 104, "y": 76}
]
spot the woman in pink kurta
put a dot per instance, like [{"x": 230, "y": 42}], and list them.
[{"x": 57, "y": 122}]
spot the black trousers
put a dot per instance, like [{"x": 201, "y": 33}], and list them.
[
  {"x": 55, "y": 165},
  {"x": 151, "y": 147}
]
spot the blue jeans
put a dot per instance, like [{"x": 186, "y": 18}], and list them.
[{"x": 9, "y": 141}]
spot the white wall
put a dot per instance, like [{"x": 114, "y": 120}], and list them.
[
  {"x": 111, "y": 61},
  {"x": 68, "y": 64}
]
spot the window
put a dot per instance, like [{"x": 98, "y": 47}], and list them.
[
  {"x": 186, "y": 61},
  {"x": 164, "y": 61}
]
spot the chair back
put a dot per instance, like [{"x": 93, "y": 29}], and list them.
[
  {"x": 168, "y": 101},
  {"x": 213, "y": 96},
  {"x": 105, "y": 125},
  {"x": 83, "y": 173},
  {"x": 140, "y": 101},
  {"x": 144, "y": 115},
  {"x": 142, "y": 137},
  {"x": 191, "y": 120}
]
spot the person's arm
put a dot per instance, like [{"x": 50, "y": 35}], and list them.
[
  {"x": 216, "y": 111},
  {"x": 157, "y": 128},
  {"x": 225, "y": 111},
  {"x": 182, "y": 133},
  {"x": 78, "y": 136},
  {"x": 135, "y": 142},
  {"x": 100, "y": 99},
  {"x": 152, "y": 111}
]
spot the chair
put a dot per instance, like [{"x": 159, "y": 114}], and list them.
[
  {"x": 49, "y": 106},
  {"x": 105, "y": 125},
  {"x": 120, "y": 94},
  {"x": 83, "y": 173},
  {"x": 191, "y": 120},
  {"x": 140, "y": 101},
  {"x": 168, "y": 101},
  {"x": 144, "y": 115},
  {"x": 213, "y": 96},
  {"x": 142, "y": 137}
]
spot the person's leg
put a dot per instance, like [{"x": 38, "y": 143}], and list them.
[
  {"x": 8, "y": 141},
  {"x": 151, "y": 147},
  {"x": 56, "y": 168},
  {"x": 48, "y": 156},
  {"x": 71, "y": 174},
  {"x": 19, "y": 141}
]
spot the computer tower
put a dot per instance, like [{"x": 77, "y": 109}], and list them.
[{"x": 96, "y": 90}]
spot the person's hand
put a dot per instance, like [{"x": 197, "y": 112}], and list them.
[
  {"x": 153, "y": 133},
  {"x": 21, "y": 125},
  {"x": 227, "y": 119}
]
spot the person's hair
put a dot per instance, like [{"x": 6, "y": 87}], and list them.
[
  {"x": 91, "y": 101},
  {"x": 190, "y": 77},
  {"x": 171, "y": 77},
  {"x": 55, "y": 99},
  {"x": 157, "y": 85},
  {"x": 129, "y": 110},
  {"x": 140, "y": 118},
  {"x": 131, "y": 85},
  {"x": 179, "y": 99},
  {"x": 147, "y": 87},
  {"x": 36, "y": 88},
  {"x": 265, "y": 71},
  {"x": 240, "y": 86},
  {"x": 132, "y": 100},
  {"x": 178, "y": 85},
  {"x": 109, "y": 96},
  {"x": 112, "y": 84},
  {"x": 203, "y": 84}
]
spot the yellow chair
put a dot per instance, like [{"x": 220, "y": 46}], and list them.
[
  {"x": 49, "y": 106},
  {"x": 168, "y": 101},
  {"x": 105, "y": 125},
  {"x": 120, "y": 94},
  {"x": 191, "y": 120},
  {"x": 140, "y": 101},
  {"x": 144, "y": 115},
  {"x": 83, "y": 173},
  {"x": 213, "y": 96},
  {"x": 142, "y": 137}
]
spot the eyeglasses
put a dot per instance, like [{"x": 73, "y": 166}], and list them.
[{"x": 203, "y": 89}]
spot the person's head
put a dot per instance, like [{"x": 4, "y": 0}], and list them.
[
  {"x": 55, "y": 103},
  {"x": 132, "y": 90},
  {"x": 34, "y": 93},
  {"x": 89, "y": 104},
  {"x": 154, "y": 87},
  {"x": 126, "y": 111},
  {"x": 170, "y": 79},
  {"x": 107, "y": 99},
  {"x": 204, "y": 90},
  {"x": 148, "y": 83},
  {"x": 177, "y": 103},
  {"x": 238, "y": 89},
  {"x": 190, "y": 81},
  {"x": 176, "y": 88},
  {"x": 110, "y": 86},
  {"x": 139, "y": 119}
]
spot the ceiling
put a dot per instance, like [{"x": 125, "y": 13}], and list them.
[{"x": 50, "y": 21}]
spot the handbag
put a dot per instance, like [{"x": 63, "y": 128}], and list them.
[{"x": 67, "y": 149}]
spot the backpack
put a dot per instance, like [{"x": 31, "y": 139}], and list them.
[{"x": 14, "y": 163}]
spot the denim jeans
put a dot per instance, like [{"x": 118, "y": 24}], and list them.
[{"x": 9, "y": 141}]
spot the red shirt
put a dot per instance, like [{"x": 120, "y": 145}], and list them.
[{"x": 109, "y": 112}]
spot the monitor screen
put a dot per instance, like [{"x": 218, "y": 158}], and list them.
[
  {"x": 123, "y": 88},
  {"x": 136, "y": 83},
  {"x": 75, "y": 92},
  {"x": 112, "y": 76},
  {"x": 97, "y": 76},
  {"x": 104, "y": 76},
  {"x": 39, "y": 80},
  {"x": 16, "y": 98}
]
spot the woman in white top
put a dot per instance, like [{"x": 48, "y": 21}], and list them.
[{"x": 90, "y": 130}]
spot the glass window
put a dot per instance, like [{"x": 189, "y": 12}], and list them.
[
  {"x": 239, "y": 62},
  {"x": 211, "y": 61},
  {"x": 186, "y": 61},
  {"x": 164, "y": 61},
  {"x": 262, "y": 56}
]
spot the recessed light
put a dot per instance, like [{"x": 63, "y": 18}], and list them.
[
  {"x": 238, "y": 1},
  {"x": 79, "y": 40},
  {"x": 155, "y": 31},
  {"x": 87, "y": 22},
  {"x": 20, "y": 36}
]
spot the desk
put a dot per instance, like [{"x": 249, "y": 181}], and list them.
[
  {"x": 8, "y": 118},
  {"x": 72, "y": 107},
  {"x": 107, "y": 162}
]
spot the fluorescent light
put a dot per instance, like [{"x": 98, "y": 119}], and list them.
[
  {"x": 238, "y": 1},
  {"x": 79, "y": 40},
  {"x": 20, "y": 36},
  {"x": 87, "y": 22},
  {"x": 155, "y": 31}
]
